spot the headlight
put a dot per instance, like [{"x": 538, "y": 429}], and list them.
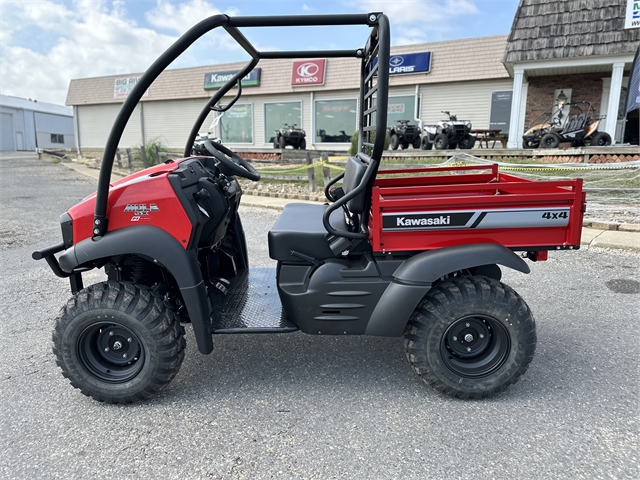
[{"x": 303, "y": 132}]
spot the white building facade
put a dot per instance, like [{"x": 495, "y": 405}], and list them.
[{"x": 465, "y": 77}]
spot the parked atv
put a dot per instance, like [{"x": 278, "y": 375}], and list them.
[
  {"x": 393, "y": 256},
  {"x": 579, "y": 128},
  {"x": 448, "y": 134},
  {"x": 290, "y": 135},
  {"x": 403, "y": 135},
  {"x": 343, "y": 137}
]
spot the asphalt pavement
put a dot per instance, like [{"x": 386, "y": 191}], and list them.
[{"x": 299, "y": 406}]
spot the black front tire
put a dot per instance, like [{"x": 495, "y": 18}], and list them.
[
  {"x": 394, "y": 143},
  {"x": 416, "y": 143},
  {"x": 303, "y": 144},
  {"x": 426, "y": 144},
  {"x": 549, "y": 140},
  {"x": 282, "y": 142},
  {"x": 441, "y": 142},
  {"x": 118, "y": 343},
  {"x": 470, "y": 337},
  {"x": 467, "y": 142}
]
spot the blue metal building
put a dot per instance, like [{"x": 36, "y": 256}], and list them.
[{"x": 29, "y": 124}]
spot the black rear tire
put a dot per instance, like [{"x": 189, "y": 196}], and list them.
[
  {"x": 441, "y": 142},
  {"x": 470, "y": 337},
  {"x": 549, "y": 140},
  {"x": 426, "y": 144},
  {"x": 118, "y": 343},
  {"x": 600, "y": 139}
]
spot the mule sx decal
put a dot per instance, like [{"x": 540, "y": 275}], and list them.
[{"x": 141, "y": 211}]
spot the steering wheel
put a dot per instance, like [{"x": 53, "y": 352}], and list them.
[{"x": 232, "y": 161}]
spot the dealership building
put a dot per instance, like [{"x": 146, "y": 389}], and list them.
[{"x": 499, "y": 82}]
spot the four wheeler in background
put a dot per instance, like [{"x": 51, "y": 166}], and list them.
[
  {"x": 413, "y": 253},
  {"x": 579, "y": 128},
  {"x": 290, "y": 135},
  {"x": 342, "y": 137},
  {"x": 448, "y": 134},
  {"x": 403, "y": 134}
]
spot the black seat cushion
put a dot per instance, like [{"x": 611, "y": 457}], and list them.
[{"x": 300, "y": 228}]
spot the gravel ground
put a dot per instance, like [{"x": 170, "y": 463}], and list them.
[{"x": 298, "y": 406}]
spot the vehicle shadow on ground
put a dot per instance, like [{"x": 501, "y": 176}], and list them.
[{"x": 300, "y": 364}]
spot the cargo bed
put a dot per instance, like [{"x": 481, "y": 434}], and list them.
[{"x": 428, "y": 208}]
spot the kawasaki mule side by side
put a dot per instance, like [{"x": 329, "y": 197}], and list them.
[{"x": 413, "y": 253}]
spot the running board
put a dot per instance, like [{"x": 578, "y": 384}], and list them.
[{"x": 251, "y": 305}]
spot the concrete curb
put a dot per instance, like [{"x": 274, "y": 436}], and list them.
[{"x": 594, "y": 234}]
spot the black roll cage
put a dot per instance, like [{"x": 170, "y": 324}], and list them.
[{"x": 374, "y": 92}]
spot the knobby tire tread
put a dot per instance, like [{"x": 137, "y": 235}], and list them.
[
  {"x": 149, "y": 309},
  {"x": 433, "y": 309}
]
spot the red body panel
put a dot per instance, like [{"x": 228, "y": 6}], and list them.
[
  {"x": 492, "y": 204},
  {"x": 143, "y": 198}
]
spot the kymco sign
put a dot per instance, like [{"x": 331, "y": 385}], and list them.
[{"x": 308, "y": 72}]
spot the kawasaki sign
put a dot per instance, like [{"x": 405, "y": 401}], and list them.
[
  {"x": 410, "y": 63},
  {"x": 215, "y": 80}
]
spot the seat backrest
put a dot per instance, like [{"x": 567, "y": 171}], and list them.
[{"x": 352, "y": 177}]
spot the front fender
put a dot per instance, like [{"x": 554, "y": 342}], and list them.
[
  {"x": 164, "y": 250},
  {"x": 413, "y": 279}
]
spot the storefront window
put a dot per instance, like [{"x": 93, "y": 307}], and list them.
[
  {"x": 335, "y": 120},
  {"x": 401, "y": 108},
  {"x": 277, "y": 114},
  {"x": 236, "y": 126}
]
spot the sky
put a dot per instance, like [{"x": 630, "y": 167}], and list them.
[{"x": 46, "y": 43}]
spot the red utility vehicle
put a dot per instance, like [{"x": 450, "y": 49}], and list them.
[{"x": 413, "y": 253}]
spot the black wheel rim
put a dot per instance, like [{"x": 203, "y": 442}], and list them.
[
  {"x": 475, "y": 346},
  {"x": 110, "y": 352}
]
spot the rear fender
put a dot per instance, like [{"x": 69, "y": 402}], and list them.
[
  {"x": 162, "y": 249},
  {"x": 414, "y": 278}
]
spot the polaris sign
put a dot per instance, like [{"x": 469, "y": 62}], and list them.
[
  {"x": 215, "y": 80},
  {"x": 410, "y": 63}
]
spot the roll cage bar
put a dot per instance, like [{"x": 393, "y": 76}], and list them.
[
  {"x": 374, "y": 90},
  {"x": 555, "y": 109}
]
